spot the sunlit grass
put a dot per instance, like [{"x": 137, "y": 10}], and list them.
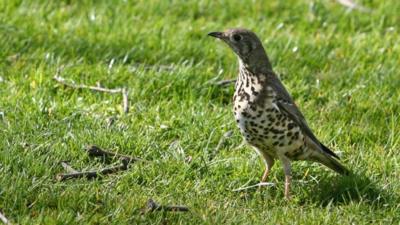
[{"x": 341, "y": 66}]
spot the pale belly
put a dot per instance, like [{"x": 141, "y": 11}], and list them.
[{"x": 266, "y": 128}]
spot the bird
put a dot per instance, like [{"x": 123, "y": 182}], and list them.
[{"x": 266, "y": 114}]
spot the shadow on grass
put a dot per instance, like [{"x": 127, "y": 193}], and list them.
[
  {"x": 333, "y": 190},
  {"x": 347, "y": 189}
]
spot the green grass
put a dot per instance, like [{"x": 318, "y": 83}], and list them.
[{"x": 344, "y": 76}]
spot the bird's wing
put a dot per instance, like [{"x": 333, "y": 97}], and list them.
[{"x": 287, "y": 106}]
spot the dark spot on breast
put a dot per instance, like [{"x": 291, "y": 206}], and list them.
[
  {"x": 253, "y": 90},
  {"x": 241, "y": 86},
  {"x": 296, "y": 135},
  {"x": 243, "y": 95},
  {"x": 291, "y": 125},
  {"x": 275, "y": 131}
]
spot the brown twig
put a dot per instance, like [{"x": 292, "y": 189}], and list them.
[
  {"x": 125, "y": 103},
  {"x": 4, "y": 219},
  {"x": 225, "y": 82},
  {"x": 94, "y": 174},
  {"x": 95, "y": 151},
  {"x": 68, "y": 167},
  {"x": 72, "y": 84},
  {"x": 152, "y": 206}
]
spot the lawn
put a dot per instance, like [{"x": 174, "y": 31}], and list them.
[{"x": 340, "y": 65}]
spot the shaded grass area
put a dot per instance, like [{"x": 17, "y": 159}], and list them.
[{"x": 341, "y": 67}]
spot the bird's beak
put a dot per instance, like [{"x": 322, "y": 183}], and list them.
[{"x": 219, "y": 35}]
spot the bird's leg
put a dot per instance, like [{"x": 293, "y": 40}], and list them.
[
  {"x": 269, "y": 162},
  {"x": 288, "y": 175},
  {"x": 265, "y": 174},
  {"x": 288, "y": 179}
]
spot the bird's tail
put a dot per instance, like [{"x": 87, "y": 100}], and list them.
[
  {"x": 332, "y": 163},
  {"x": 322, "y": 154}
]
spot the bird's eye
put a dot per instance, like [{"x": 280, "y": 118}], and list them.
[{"x": 237, "y": 37}]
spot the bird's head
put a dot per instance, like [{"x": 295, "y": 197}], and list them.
[{"x": 245, "y": 44}]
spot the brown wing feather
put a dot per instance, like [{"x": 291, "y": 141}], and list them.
[{"x": 287, "y": 105}]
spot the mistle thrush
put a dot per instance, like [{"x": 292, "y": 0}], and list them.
[{"x": 266, "y": 114}]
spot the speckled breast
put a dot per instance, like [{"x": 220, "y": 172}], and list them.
[{"x": 261, "y": 122}]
